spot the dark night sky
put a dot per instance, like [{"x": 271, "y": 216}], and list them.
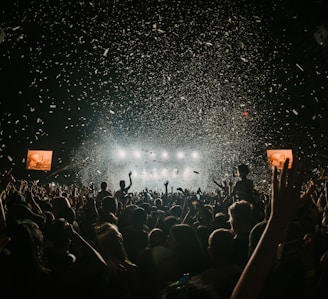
[{"x": 78, "y": 75}]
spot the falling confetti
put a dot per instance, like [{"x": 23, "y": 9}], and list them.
[{"x": 95, "y": 75}]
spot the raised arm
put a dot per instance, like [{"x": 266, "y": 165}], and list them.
[
  {"x": 6, "y": 179},
  {"x": 130, "y": 179},
  {"x": 286, "y": 200},
  {"x": 89, "y": 263},
  {"x": 166, "y": 195}
]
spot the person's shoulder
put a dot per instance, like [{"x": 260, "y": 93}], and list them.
[
  {"x": 104, "y": 193},
  {"x": 117, "y": 193}
]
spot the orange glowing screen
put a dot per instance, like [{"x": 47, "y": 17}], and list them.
[
  {"x": 277, "y": 157},
  {"x": 39, "y": 160}
]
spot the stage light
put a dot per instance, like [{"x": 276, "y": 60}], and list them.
[
  {"x": 195, "y": 155},
  {"x": 137, "y": 154},
  {"x": 164, "y": 172},
  {"x": 186, "y": 172},
  {"x": 165, "y": 155},
  {"x": 180, "y": 155},
  {"x": 155, "y": 174},
  {"x": 121, "y": 153}
]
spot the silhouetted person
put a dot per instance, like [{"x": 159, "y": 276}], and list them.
[
  {"x": 244, "y": 188},
  {"x": 122, "y": 195},
  {"x": 102, "y": 193}
]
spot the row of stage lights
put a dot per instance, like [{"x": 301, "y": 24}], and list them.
[
  {"x": 136, "y": 154},
  {"x": 164, "y": 173}
]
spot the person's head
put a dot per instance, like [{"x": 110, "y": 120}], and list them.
[
  {"x": 26, "y": 248},
  {"x": 187, "y": 289},
  {"x": 176, "y": 211},
  {"x": 122, "y": 184},
  {"x": 146, "y": 206},
  {"x": 220, "y": 242},
  {"x": 59, "y": 233},
  {"x": 167, "y": 223},
  {"x": 240, "y": 215},
  {"x": 18, "y": 209},
  {"x": 69, "y": 214},
  {"x": 242, "y": 170},
  {"x": 109, "y": 204},
  {"x": 184, "y": 237},
  {"x": 158, "y": 202},
  {"x": 109, "y": 241},
  {"x": 156, "y": 237},
  {"x": 221, "y": 220},
  {"x": 103, "y": 186},
  {"x": 59, "y": 204},
  {"x": 139, "y": 216}
]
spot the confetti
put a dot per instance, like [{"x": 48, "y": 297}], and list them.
[{"x": 207, "y": 74}]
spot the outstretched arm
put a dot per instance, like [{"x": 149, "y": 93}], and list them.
[
  {"x": 5, "y": 180},
  {"x": 286, "y": 200},
  {"x": 130, "y": 179},
  {"x": 89, "y": 262},
  {"x": 166, "y": 196}
]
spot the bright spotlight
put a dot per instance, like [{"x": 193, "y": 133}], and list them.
[
  {"x": 144, "y": 173},
  {"x": 165, "y": 155},
  {"x": 195, "y": 155},
  {"x": 187, "y": 172},
  {"x": 137, "y": 154},
  {"x": 122, "y": 153},
  {"x": 154, "y": 172},
  {"x": 180, "y": 155}
]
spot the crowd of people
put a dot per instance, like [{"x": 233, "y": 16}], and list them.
[{"x": 58, "y": 240}]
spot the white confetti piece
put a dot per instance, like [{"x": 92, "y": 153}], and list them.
[
  {"x": 299, "y": 67},
  {"x": 2, "y": 35},
  {"x": 106, "y": 52}
]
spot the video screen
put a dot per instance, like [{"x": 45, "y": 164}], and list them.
[
  {"x": 277, "y": 158},
  {"x": 39, "y": 160}
]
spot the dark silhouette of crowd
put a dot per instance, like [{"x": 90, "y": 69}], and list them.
[{"x": 234, "y": 242}]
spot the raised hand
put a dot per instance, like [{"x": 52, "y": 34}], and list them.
[
  {"x": 287, "y": 197},
  {"x": 6, "y": 179}
]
